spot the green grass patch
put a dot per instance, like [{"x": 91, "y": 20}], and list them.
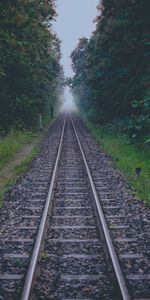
[
  {"x": 11, "y": 144},
  {"x": 134, "y": 162},
  {"x": 47, "y": 120},
  {"x": 10, "y": 148},
  {"x": 8, "y": 181},
  {"x": 22, "y": 167}
]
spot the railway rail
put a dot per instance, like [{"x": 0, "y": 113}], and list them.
[{"x": 74, "y": 247}]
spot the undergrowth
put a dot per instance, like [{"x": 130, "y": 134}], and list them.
[
  {"x": 129, "y": 158},
  {"x": 9, "y": 147},
  {"x": 8, "y": 181},
  {"x": 11, "y": 144}
]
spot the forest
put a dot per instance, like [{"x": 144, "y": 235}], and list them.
[
  {"x": 111, "y": 84},
  {"x": 31, "y": 76}
]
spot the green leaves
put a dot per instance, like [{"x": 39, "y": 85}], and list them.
[
  {"x": 113, "y": 67},
  {"x": 30, "y": 61}
]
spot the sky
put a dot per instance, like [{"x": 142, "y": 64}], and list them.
[{"x": 74, "y": 20}]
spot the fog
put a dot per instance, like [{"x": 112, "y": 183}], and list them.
[
  {"x": 68, "y": 102},
  {"x": 74, "y": 20}
]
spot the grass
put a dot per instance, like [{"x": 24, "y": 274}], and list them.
[
  {"x": 11, "y": 144},
  {"x": 47, "y": 120},
  {"x": 22, "y": 167},
  {"x": 132, "y": 161},
  {"x": 8, "y": 181},
  {"x": 44, "y": 257}
]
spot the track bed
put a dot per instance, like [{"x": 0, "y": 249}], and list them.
[
  {"x": 74, "y": 264},
  {"x": 75, "y": 261}
]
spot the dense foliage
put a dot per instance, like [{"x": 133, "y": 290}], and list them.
[
  {"x": 30, "y": 72},
  {"x": 112, "y": 69}
]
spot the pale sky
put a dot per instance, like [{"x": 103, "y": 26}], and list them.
[{"x": 74, "y": 20}]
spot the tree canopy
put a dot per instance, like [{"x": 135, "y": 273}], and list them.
[
  {"x": 30, "y": 72},
  {"x": 112, "y": 68}
]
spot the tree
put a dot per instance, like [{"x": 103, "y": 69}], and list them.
[
  {"x": 114, "y": 69},
  {"x": 30, "y": 61}
]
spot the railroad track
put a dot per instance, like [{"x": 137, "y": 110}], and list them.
[{"x": 73, "y": 248}]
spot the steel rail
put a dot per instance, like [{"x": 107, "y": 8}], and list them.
[
  {"x": 118, "y": 273},
  {"x": 36, "y": 251}
]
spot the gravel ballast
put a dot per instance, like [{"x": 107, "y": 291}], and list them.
[{"x": 73, "y": 262}]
